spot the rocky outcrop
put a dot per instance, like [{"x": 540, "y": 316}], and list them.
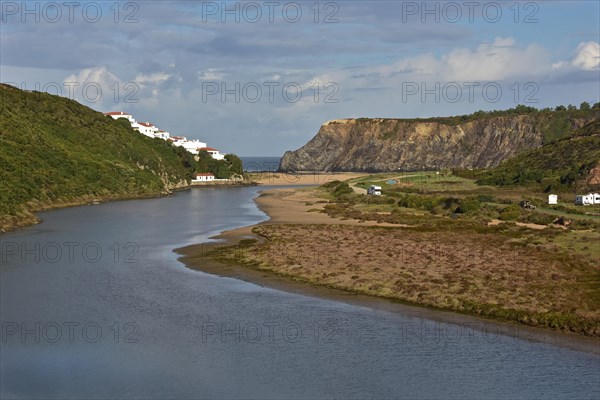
[
  {"x": 374, "y": 145},
  {"x": 593, "y": 178}
]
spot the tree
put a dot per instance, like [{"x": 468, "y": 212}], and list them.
[
  {"x": 571, "y": 107},
  {"x": 560, "y": 108},
  {"x": 235, "y": 164},
  {"x": 584, "y": 106},
  {"x": 523, "y": 109},
  {"x": 596, "y": 106}
]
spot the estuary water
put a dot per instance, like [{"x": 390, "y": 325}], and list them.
[{"x": 94, "y": 304}]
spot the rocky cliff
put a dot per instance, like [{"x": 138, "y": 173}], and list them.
[{"x": 374, "y": 145}]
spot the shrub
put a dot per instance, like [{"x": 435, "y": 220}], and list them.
[
  {"x": 537, "y": 218},
  {"x": 486, "y": 198},
  {"x": 510, "y": 213},
  {"x": 469, "y": 206},
  {"x": 342, "y": 188}
]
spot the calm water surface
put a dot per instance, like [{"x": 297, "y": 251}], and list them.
[{"x": 94, "y": 304}]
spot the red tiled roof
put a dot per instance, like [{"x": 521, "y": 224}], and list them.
[
  {"x": 148, "y": 124},
  {"x": 207, "y": 149},
  {"x": 116, "y": 113},
  {"x": 205, "y": 174}
]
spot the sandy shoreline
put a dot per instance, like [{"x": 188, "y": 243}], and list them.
[
  {"x": 301, "y": 179},
  {"x": 298, "y": 206}
]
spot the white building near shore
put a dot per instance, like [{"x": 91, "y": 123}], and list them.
[{"x": 204, "y": 177}]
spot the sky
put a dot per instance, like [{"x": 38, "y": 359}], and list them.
[{"x": 258, "y": 78}]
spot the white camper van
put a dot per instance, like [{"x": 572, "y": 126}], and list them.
[
  {"x": 374, "y": 190},
  {"x": 587, "y": 199}
]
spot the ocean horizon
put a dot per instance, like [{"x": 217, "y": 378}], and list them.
[{"x": 260, "y": 164}]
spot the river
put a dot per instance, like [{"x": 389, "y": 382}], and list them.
[{"x": 94, "y": 304}]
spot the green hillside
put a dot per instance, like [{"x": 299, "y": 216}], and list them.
[
  {"x": 55, "y": 151},
  {"x": 554, "y": 166}
]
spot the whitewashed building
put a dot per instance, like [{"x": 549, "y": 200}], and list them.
[
  {"x": 150, "y": 130},
  {"x": 552, "y": 199},
  {"x": 214, "y": 153},
  {"x": 145, "y": 128},
  {"x": 121, "y": 114},
  {"x": 204, "y": 177},
  {"x": 164, "y": 135},
  {"x": 177, "y": 140},
  {"x": 193, "y": 145}
]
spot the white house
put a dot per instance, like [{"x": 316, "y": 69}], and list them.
[
  {"x": 148, "y": 129},
  {"x": 204, "y": 177},
  {"x": 162, "y": 135},
  {"x": 177, "y": 140},
  {"x": 145, "y": 128},
  {"x": 214, "y": 153},
  {"x": 587, "y": 199},
  {"x": 552, "y": 199},
  {"x": 121, "y": 114},
  {"x": 193, "y": 145}
]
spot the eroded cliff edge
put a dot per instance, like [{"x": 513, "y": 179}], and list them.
[{"x": 374, "y": 145}]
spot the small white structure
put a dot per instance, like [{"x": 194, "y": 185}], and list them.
[
  {"x": 552, "y": 199},
  {"x": 374, "y": 190},
  {"x": 121, "y": 114},
  {"x": 587, "y": 199},
  {"x": 177, "y": 140},
  {"x": 214, "y": 153},
  {"x": 145, "y": 128},
  {"x": 192, "y": 146},
  {"x": 162, "y": 135},
  {"x": 204, "y": 177}
]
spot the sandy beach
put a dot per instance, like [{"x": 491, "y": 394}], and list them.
[{"x": 303, "y": 179}]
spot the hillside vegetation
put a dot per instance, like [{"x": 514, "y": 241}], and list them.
[
  {"x": 55, "y": 151},
  {"x": 555, "y": 166}
]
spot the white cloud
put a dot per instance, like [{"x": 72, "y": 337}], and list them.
[
  {"x": 152, "y": 79},
  {"x": 498, "y": 60},
  {"x": 94, "y": 87},
  {"x": 99, "y": 75},
  {"x": 211, "y": 74},
  {"x": 587, "y": 56}
]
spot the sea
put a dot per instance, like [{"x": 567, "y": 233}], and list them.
[{"x": 260, "y": 164}]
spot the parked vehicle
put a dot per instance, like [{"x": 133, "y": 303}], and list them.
[
  {"x": 374, "y": 190},
  {"x": 526, "y": 204},
  {"x": 587, "y": 199}
]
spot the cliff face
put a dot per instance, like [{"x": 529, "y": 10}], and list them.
[{"x": 389, "y": 145}]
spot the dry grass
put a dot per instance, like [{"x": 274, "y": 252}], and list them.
[
  {"x": 488, "y": 274},
  {"x": 548, "y": 277}
]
